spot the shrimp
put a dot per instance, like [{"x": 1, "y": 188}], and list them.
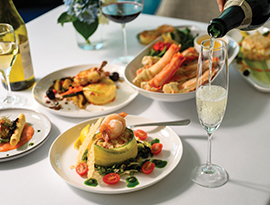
[
  {"x": 148, "y": 74},
  {"x": 113, "y": 126},
  {"x": 91, "y": 75}
]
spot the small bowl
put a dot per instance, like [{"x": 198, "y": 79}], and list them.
[{"x": 199, "y": 39}]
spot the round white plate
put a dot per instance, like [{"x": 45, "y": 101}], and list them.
[
  {"x": 62, "y": 155},
  {"x": 254, "y": 82},
  {"x": 124, "y": 93},
  {"x": 42, "y": 129}
]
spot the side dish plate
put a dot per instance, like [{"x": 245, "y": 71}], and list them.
[
  {"x": 259, "y": 78},
  {"x": 62, "y": 155},
  {"x": 42, "y": 129},
  {"x": 124, "y": 93}
]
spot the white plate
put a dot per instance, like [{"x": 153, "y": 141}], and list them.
[
  {"x": 62, "y": 155},
  {"x": 254, "y": 82},
  {"x": 124, "y": 93},
  {"x": 135, "y": 64},
  {"x": 42, "y": 129}
]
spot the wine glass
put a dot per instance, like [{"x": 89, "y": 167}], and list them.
[
  {"x": 122, "y": 11},
  {"x": 8, "y": 53},
  {"x": 211, "y": 100}
]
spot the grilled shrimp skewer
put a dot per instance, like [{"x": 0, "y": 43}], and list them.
[{"x": 91, "y": 75}]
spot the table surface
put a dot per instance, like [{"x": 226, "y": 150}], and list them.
[{"x": 240, "y": 145}]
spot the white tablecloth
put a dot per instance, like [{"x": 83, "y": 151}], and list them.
[{"x": 240, "y": 145}]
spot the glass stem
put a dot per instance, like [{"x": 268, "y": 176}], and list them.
[
  {"x": 208, "y": 168},
  {"x": 124, "y": 40},
  {"x": 9, "y": 97}
]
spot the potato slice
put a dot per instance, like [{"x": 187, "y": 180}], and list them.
[{"x": 101, "y": 93}]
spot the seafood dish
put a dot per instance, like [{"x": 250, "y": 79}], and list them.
[
  {"x": 14, "y": 133},
  {"x": 253, "y": 59},
  {"x": 171, "y": 68},
  {"x": 108, "y": 149},
  {"x": 93, "y": 86}
]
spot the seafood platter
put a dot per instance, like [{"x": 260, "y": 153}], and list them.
[{"x": 166, "y": 69}]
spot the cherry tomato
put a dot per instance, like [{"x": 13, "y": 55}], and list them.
[
  {"x": 148, "y": 167},
  {"x": 111, "y": 178},
  {"x": 142, "y": 135},
  {"x": 156, "y": 148},
  {"x": 81, "y": 169}
]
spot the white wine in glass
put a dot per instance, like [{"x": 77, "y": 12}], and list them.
[
  {"x": 211, "y": 101},
  {"x": 8, "y": 54},
  {"x": 122, "y": 11}
]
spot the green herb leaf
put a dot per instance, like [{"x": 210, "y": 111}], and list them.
[
  {"x": 85, "y": 29},
  {"x": 93, "y": 90},
  {"x": 65, "y": 18}
]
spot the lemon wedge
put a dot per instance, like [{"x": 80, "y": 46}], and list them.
[{"x": 82, "y": 136}]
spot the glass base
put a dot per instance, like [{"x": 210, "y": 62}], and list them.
[
  {"x": 13, "y": 101},
  {"x": 206, "y": 177},
  {"x": 123, "y": 60},
  {"x": 86, "y": 46}
]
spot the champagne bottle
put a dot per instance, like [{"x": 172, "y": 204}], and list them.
[
  {"x": 22, "y": 74},
  {"x": 241, "y": 14}
]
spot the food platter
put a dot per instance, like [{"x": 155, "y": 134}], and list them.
[
  {"x": 262, "y": 84},
  {"x": 135, "y": 64},
  {"x": 42, "y": 129},
  {"x": 62, "y": 155},
  {"x": 124, "y": 93}
]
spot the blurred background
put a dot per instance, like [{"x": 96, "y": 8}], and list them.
[
  {"x": 30, "y": 9},
  {"x": 203, "y": 10}
]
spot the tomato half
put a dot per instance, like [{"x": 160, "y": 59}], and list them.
[
  {"x": 142, "y": 135},
  {"x": 148, "y": 167},
  {"x": 81, "y": 169},
  {"x": 111, "y": 178},
  {"x": 156, "y": 148}
]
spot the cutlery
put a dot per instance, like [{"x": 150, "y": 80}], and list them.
[{"x": 169, "y": 123}]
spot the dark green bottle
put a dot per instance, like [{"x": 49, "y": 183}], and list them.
[{"x": 241, "y": 14}]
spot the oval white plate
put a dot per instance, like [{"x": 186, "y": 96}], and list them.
[
  {"x": 135, "y": 64},
  {"x": 260, "y": 86},
  {"x": 62, "y": 155},
  {"x": 42, "y": 129},
  {"x": 124, "y": 93}
]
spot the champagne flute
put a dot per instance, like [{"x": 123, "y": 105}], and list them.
[
  {"x": 211, "y": 100},
  {"x": 122, "y": 11},
  {"x": 8, "y": 54}
]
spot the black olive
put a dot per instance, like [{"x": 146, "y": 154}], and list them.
[
  {"x": 50, "y": 94},
  {"x": 114, "y": 76},
  {"x": 246, "y": 73}
]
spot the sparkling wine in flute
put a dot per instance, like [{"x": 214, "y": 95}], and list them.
[
  {"x": 123, "y": 12},
  {"x": 211, "y": 100},
  {"x": 211, "y": 104}
]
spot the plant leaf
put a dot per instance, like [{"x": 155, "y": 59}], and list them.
[
  {"x": 85, "y": 29},
  {"x": 65, "y": 18}
]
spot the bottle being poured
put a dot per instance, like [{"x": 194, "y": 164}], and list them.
[{"x": 240, "y": 14}]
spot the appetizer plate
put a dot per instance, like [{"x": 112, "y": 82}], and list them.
[
  {"x": 62, "y": 155},
  {"x": 261, "y": 79},
  {"x": 124, "y": 93},
  {"x": 42, "y": 129},
  {"x": 135, "y": 64}
]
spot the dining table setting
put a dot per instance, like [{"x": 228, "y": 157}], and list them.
[{"x": 41, "y": 171}]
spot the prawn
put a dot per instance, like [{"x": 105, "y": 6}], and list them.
[
  {"x": 113, "y": 126},
  {"x": 91, "y": 75}
]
